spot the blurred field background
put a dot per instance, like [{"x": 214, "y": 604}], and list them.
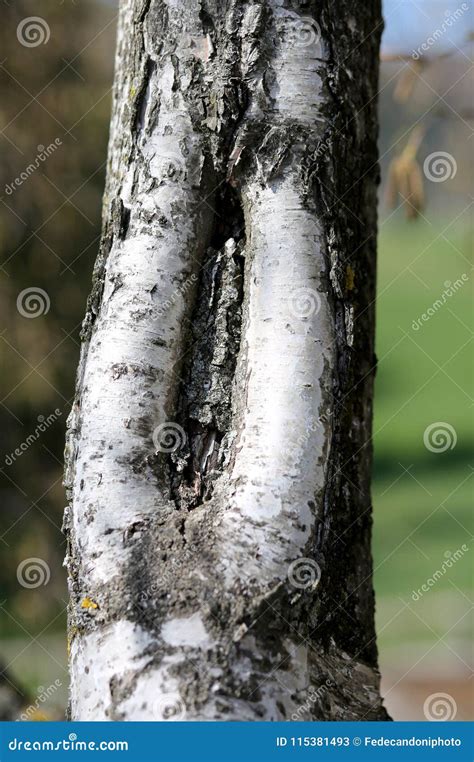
[{"x": 49, "y": 229}]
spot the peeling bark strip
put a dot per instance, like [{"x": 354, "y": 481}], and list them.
[{"x": 217, "y": 462}]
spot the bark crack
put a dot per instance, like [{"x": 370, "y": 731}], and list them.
[{"x": 213, "y": 342}]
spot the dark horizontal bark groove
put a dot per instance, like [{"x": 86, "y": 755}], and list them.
[{"x": 336, "y": 161}]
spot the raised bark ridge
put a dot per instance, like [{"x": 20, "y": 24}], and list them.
[{"x": 219, "y": 526}]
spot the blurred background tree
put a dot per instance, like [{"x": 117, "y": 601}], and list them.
[{"x": 57, "y": 90}]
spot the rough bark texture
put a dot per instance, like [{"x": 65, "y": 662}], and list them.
[{"x": 218, "y": 455}]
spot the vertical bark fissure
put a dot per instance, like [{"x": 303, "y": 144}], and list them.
[
  {"x": 205, "y": 402},
  {"x": 224, "y": 314}
]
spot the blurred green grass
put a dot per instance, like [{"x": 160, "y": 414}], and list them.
[{"x": 422, "y": 499}]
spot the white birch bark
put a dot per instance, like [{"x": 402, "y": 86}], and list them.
[{"x": 200, "y": 458}]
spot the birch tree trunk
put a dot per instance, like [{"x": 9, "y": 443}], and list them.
[{"x": 218, "y": 456}]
